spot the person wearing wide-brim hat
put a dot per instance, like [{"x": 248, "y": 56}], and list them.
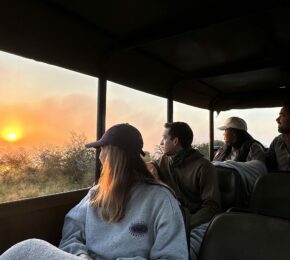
[
  {"x": 239, "y": 144},
  {"x": 127, "y": 215}
]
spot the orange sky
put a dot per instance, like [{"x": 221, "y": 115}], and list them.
[
  {"x": 49, "y": 120},
  {"x": 46, "y": 103}
]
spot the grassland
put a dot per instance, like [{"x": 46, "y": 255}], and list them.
[{"x": 46, "y": 170}]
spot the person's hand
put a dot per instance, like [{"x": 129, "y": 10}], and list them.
[
  {"x": 86, "y": 257},
  {"x": 152, "y": 169}
]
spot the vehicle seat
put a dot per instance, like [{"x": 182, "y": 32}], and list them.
[
  {"x": 271, "y": 195},
  {"x": 231, "y": 188},
  {"x": 244, "y": 236}
]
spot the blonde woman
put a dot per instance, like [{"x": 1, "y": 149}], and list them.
[{"x": 128, "y": 215}]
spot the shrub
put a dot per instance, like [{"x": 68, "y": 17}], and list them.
[{"x": 46, "y": 170}]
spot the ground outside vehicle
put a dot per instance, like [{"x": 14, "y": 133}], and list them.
[{"x": 215, "y": 55}]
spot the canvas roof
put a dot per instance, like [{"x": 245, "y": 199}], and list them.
[{"x": 210, "y": 54}]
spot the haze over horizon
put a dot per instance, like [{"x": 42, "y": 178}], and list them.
[{"x": 43, "y": 104}]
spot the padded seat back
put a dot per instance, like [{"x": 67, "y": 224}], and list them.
[
  {"x": 231, "y": 188},
  {"x": 271, "y": 195},
  {"x": 243, "y": 236}
]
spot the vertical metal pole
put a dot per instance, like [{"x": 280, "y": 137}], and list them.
[
  {"x": 101, "y": 119},
  {"x": 169, "y": 110},
  {"x": 211, "y": 135}
]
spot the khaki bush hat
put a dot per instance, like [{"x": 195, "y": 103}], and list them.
[{"x": 234, "y": 122}]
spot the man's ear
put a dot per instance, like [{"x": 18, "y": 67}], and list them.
[{"x": 175, "y": 141}]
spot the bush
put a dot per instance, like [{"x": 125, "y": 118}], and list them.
[
  {"x": 46, "y": 170},
  {"x": 77, "y": 160}
]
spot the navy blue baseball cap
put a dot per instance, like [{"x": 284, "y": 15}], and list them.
[{"x": 125, "y": 136}]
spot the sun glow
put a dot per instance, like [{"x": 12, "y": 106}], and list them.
[{"x": 11, "y": 134}]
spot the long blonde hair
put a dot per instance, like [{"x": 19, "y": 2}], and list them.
[{"x": 119, "y": 173}]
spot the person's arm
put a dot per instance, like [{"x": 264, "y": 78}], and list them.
[
  {"x": 209, "y": 194},
  {"x": 170, "y": 241},
  {"x": 221, "y": 153},
  {"x": 153, "y": 169},
  {"x": 73, "y": 234},
  {"x": 271, "y": 160},
  {"x": 256, "y": 152}
]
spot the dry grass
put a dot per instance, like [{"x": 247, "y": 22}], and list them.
[{"x": 25, "y": 188}]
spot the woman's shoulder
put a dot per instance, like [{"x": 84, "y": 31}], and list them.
[
  {"x": 92, "y": 191},
  {"x": 157, "y": 190}
]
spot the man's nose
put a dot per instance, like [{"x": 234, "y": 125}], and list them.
[
  {"x": 278, "y": 119},
  {"x": 162, "y": 142}
]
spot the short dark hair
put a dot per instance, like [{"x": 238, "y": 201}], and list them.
[
  {"x": 287, "y": 106},
  {"x": 182, "y": 131}
]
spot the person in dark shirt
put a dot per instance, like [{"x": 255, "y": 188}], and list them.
[
  {"x": 192, "y": 177},
  {"x": 278, "y": 155}
]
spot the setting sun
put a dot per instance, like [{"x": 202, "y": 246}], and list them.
[{"x": 11, "y": 135}]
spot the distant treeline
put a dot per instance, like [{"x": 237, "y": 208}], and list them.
[{"x": 51, "y": 169}]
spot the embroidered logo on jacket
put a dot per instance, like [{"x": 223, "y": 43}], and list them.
[{"x": 138, "y": 229}]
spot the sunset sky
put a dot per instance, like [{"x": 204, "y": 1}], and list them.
[{"x": 42, "y": 104}]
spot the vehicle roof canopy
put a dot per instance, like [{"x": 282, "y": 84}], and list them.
[{"x": 210, "y": 54}]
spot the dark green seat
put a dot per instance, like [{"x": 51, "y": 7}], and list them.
[
  {"x": 231, "y": 188},
  {"x": 271, "y": 195},
  {"x": 246, "y": 236}
]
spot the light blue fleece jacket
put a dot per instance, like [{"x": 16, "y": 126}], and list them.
[{"x": 152, "y": 228}]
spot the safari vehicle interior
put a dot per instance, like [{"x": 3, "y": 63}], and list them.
[{"x": 216, "y": 55}]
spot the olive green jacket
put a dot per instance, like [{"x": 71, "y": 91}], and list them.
[{"x": 195, "y": 183}]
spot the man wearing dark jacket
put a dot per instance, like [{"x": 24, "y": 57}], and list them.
[{"x": 192, "y": 177}]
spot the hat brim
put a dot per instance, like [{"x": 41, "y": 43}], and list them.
[
  {"x": 222, "y": 128},
  {"x": 100, "y": 143},
  {"x": 96, "y": 144}
]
